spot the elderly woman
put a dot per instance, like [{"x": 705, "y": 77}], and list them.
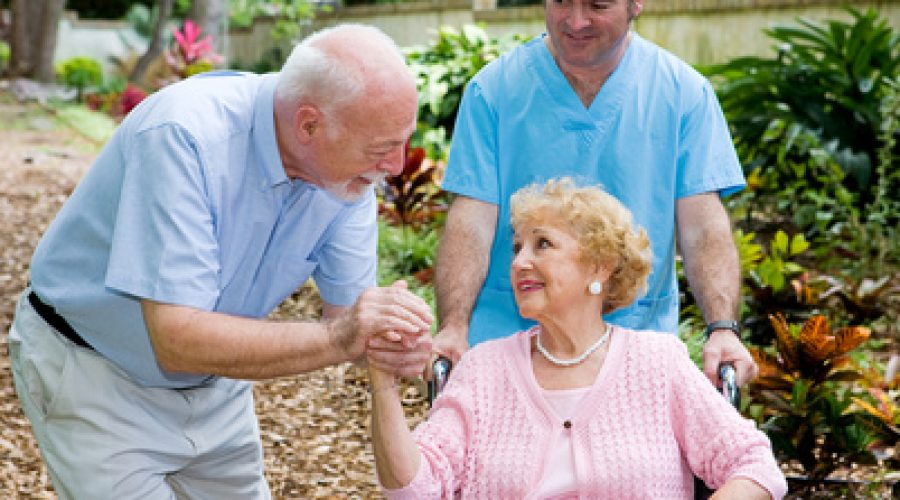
[{"x": 574, "y": 407}]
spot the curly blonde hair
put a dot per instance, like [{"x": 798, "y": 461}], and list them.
[{"x": 602, "y": 226}]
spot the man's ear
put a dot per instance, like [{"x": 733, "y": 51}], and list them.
[
  {"x": 634, "y": 8},
  {"x": 307, "y": 122}
]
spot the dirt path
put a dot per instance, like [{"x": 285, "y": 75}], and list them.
[{"x": 314, "y": 427}]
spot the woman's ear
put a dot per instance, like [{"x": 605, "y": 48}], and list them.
[
  {"x": 307, "y": 121},
  {"x": 600, "y": 272}
]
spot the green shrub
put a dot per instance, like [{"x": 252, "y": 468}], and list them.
[
  {"x": 442, "y": 69},
  {"x": 408, "y": 253},
  {"x": 821, "y": 95},
  {"x": 404, "y": 252},
  {"x": 80, "y": 73}
]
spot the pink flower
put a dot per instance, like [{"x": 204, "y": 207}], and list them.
[{"x": 193, "y": 50}]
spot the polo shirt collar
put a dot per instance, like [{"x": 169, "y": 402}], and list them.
[{"x": 264, "y": 139}]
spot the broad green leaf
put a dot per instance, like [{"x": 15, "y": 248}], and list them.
[
  {"x": 798, "y": 244},
  {"x": 780, "y": 243}
]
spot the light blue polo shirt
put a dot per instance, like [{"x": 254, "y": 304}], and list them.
[
  {"x": 654, "y": 133},
  {"x": 189, "y": 204}
]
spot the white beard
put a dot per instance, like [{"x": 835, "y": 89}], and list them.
[{"x": 351, "y": 191}]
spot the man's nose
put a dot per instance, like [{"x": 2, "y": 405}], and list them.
[
  {"x": 577, "y": 18},
  {"x": 392, "y": 163}
]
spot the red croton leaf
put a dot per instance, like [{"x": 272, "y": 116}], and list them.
[
  {"x": 816, "y": 340},
  {"x": 785, "y": 342}
]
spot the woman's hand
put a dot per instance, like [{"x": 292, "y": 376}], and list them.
[
  {"x": 397, "y": 456},
  {"x": 741, "y": 489},
  {"x": 404, "y": 356}
]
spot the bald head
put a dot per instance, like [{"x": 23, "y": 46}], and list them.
[
  {"x": 345, "y": 106},
  {"x": 340, "y": 66}
]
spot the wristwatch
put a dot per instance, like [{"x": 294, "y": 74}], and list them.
[{"x": 727, "y": 324}]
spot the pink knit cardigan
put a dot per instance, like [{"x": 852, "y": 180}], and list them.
[{"x": 650, "y": 419}]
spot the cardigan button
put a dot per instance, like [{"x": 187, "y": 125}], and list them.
[{"x": 567, "y": 424}]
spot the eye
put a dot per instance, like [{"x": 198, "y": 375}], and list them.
[
  {"x": 600, "y": 5},
  {"x": 517, "y": 247},
  {"x": 544, "y": 243}
]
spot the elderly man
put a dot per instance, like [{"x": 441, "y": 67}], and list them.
[
  {"x": 216, "y": 198},
  {"x": 593, "y": 100}
]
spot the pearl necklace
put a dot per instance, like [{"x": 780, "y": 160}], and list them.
[{"x": 573, "y": 361}]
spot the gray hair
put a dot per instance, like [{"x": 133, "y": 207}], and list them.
[{"x": 329, "y": 82}]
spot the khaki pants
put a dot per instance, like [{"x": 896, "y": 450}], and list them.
[{"x": 104, "y": 437}]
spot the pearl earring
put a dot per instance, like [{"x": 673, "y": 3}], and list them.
[{"x": 595, "y": 288}]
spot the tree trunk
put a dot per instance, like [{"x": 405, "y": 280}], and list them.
[
  {"x": 46, "y": 40},
  {"x": 211, "y": 16},
  {"x": 33, "y": 38},
  {"x": 24, "y": 16},
  {"x": 156, "y": 42}
]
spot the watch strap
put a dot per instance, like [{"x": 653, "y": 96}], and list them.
[{"x": 728, "y": 324}]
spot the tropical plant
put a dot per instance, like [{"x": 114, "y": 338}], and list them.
[
  {"x": 131, "y": 97},
  {"x": 807, "y": 401},
  {"x": 773, "y": 281},
  {"x": 80, "y": 73},
  {"x": 405, "y": 252},
  {"x": 142, "y": 18},
  {"x": 408, "y": 253},
  {"x": 821, "y": 92},
  {"x": 290, "y": 15},
  {"x": 882, "y": 409},
  {"x": 442, "y": 68},
  {"x": 413, "y": 197},
  {"x": 191, "y": 53},
  {"x": 865, "y": 244},
  {"x": 864, "y": 300}
]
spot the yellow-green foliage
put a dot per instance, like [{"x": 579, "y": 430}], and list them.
[{"x": 80, "y": 73}]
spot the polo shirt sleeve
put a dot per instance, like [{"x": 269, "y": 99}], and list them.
[
  {"x": 163, "y": 246},
  {"x": 706, "y": 160},
  {"x": 347, "y": 259},
  {"x": 472, "y": 167}
]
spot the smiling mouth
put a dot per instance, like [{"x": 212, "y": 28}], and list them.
[
  {"x": 580, "y": 38},
  {"x": 528, "y": 286}
]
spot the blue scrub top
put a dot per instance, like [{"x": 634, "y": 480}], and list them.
[
  {"x": 189, "y": 204},
  {"x": 654, "y": 133}
]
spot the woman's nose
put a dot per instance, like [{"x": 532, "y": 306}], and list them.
[{"x": 521, "y": 261}]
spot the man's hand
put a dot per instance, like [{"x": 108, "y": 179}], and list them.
[
  {"x": 394, "y": 312},
  {"x": 450, "y": 343},
  {"x": 724, "y": 346}
]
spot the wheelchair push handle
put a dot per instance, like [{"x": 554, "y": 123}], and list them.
[
  {"x": 440, "y": 372},
  {"x": 730, "y": 388},
  {"x": 441, "y": 367}
]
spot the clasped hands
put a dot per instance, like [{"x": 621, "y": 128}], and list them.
[{"x": 390, "y": 329}]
